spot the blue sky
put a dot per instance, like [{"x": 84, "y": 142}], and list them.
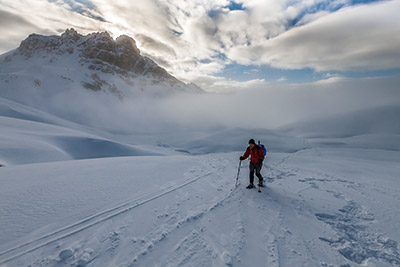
[
  {"x": 243, "y": 73},
  {"x": 224, "y": 44}
]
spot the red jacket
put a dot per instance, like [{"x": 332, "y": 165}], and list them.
[{"x": 256, "y": 154}]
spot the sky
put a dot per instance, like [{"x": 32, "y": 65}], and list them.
[{"x": 220, "y": 44}]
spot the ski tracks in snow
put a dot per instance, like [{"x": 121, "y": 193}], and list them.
[
  {"x": 131, "y": 237},
  {"x": 205, "y": 221},
  {"x": 235, "y": 231},
  {"x": 304, "y": 217},
  {"x": 88, "y": 222},
  {"x": 71, "y": 231}
]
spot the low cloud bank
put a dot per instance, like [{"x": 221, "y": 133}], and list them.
[
  {"x": 267, "y": 107},
  {"x": 204, "y": 123}
]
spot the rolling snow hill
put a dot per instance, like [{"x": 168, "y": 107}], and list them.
[{"x": 30, "y": 136}]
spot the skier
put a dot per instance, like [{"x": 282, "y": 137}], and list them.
[{"x": 256, "y": 160}]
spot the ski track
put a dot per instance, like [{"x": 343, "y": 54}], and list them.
[
  {"x": 184, "y": 226},
  {"x": 222, "y": 232},
  {"x": 195, "y": 242},
  {"x": 243, "y": 246},
  {"x": 22, "y": 249}
]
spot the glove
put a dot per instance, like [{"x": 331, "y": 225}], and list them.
[
  {"x": 260, "y": 161},
  {"x": 241, "y": 158}
]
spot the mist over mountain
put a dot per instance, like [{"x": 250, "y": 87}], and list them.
[
  {"x": 94, "y": 62},
  {"x": 107, "y": 84},
  {"x": 75, "y": 76}
]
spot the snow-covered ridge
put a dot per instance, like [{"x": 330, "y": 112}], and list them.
[{"x": 94, "y": 62}]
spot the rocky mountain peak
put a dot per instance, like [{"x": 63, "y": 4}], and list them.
[
  {"x": 122, "y": 52},
  {"x": 127, "y": 46},
  {"x": 71, "y": 34},
  {"x": 98, "y": 49},
  {"x": 97, "y": 57}
]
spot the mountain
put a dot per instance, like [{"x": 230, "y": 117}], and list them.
[
  {"x": 90, "y": 79},
  {"x": 95, "y": 62}
]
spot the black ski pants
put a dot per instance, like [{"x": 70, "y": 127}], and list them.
[{"x": 255, "y": 167}]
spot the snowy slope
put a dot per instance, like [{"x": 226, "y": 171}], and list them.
[
  {"x": 30, "y": 136},
  {"x": 329, "y": 200},
  {"x": 325, "y": 207}
]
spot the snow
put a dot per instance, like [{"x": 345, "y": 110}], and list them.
[
  {"x": 115, "y": 212},
  {"x": 36, "y": 137},
  {"x": 72, "y": 195}
]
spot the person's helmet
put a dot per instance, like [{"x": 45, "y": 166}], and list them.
[{"x": 251, "y": 141}]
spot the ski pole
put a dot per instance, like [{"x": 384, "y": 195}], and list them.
[{"x": 237, "y": 177}]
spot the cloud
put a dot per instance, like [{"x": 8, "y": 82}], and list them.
[
  {"x": 83, "y": 7},
  {"x": 361, "y": 38},
  {"x": 270, "y": 105},
  {"x": 220, "y": 85},
  {"x": 11, "y": 20},
  {"x": 195, "y": 40},
  {"x": 11, "y": 25},
  {"x": 153, "y": 45},
  {"x": 167, "y": 31},
  {"x": 19, "y": 19},
  {"x": 263, "y": 33}
]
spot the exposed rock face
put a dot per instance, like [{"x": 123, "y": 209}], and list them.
[
  {"x": 98, "y": 84},
  {"x": 100, "y": 51}
]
